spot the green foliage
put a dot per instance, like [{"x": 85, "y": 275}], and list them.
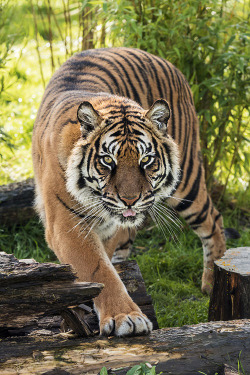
[
  {"x": 208, "y": 41},
  {"x": 104, "y": 371},
  {"x": 172, "y": 273},
  {"x": 141, "y": 369},
  {"x": 8, "y": 76},
  {"x": 26, "y": 241}
]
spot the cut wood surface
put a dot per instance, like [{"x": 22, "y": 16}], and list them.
[
  {"x": 203, "y": 348},
  {"x": 16, "y": 202},
  {"x": 231, "y": 293}
]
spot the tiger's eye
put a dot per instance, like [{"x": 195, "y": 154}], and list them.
[
  {"x": 108, "y": 159},
  {"x": 145, "y": 159}
]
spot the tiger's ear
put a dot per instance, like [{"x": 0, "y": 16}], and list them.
[
  {"x": 159, "y": 114},
  {"x": 88, "y": 117}
]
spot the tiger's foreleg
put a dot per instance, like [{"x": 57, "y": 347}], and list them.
[{"x": 117, "y": 313}]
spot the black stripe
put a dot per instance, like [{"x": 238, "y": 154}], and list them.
[
  {"x": 105, "y": 195},
  {"x": 202, "y": 215},
  {"x": 81, "y": 183},
  {"x": 155, "y": 72},
  {"x": 127, "y": 77},
  {"x": 217, "y": 217},
  {"x": 182, "y": 206},
  {"x": 125, "y": 245},
  {"x": 189, "y": 170},
  {"x": 189, "y": 216},
  {"x": 69, "y": 208},
  {"x": 208, "y": 237},
  {"x": 89, "y": 160},
  {"x": 169, "y": 180},
  {"x": 189, "y": 155},
  {"x": 139, "y": 67},
  {"x": 168, "y": 151},
  {"x": 135, "y": 92},
  {"x": 65, "y": 109},
  {"x": 144, "y": 73}
]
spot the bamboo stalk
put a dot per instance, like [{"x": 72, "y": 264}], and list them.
[
  {"x": 37, "y": 43},
  {"x": 236, "y": 145},
  {"x": 103, "y": 34},
  {"x": 79, "y": 26},
  {"x": 66, "y": 27},
  {"x": 87, "y": 33},
  {"x": 50, "y": 37},
  {"x": 60, "y": 32},
  {"x": 70, "y": 28},
  {"x": 218, "y": 147},
  {"x": 41, "y": 15}
]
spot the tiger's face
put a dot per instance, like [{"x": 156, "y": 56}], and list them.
[{"x": 124, "y": 163}]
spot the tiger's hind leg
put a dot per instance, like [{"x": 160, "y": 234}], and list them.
[
  {"x": 212, "y": 236},
  {"x": 119, "y": 246},
  {"x": 207, "y": 223}
]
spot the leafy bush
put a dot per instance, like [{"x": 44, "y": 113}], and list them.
[
  {"x": 207, "y": 41},
  {"x": 9, "y": 73},
  {"x": 141, "y": 369}
]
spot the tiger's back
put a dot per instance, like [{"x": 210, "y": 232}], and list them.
[
  {"x": 137, "y": 75},
  {"x": 104, "y": 77},
  {"x": 130, "y": 73}
]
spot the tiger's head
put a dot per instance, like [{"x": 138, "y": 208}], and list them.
[{"x": 124, "y": 161}]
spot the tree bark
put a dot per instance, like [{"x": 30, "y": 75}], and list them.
[
  {"x": 16, "y": 202},
  {"x": 203, "y": 348},
  {"x": 31, "y": 290},
  {"x": 231, "y": 293}
]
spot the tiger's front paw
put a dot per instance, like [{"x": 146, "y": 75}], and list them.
[{"x": 132, "y": 324}]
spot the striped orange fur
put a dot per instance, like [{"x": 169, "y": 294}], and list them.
[{"x": 115, "y": 136}]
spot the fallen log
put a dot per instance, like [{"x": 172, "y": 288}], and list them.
[
  {"x": 230, "y": 298},
  {"x": 30, "y": 291},
  {"x": 16, "y": 202},
  {"x": 204, "y": 348},
  {"x": 130, "y": 275}
]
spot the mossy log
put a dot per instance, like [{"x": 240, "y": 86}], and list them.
[
  {"x": 204, "y": 348},
  {"x": 230, "y": 298}
]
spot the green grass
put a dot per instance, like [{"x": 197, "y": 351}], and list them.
[
  {"x": 171, "y": 269},
  {"x": 172, "y": 272},
  {"x": 26, "y": 241}
]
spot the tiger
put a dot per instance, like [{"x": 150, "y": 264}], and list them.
[{"x": 116, "y": 134}]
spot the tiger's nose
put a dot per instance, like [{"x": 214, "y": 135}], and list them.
[{"x": 129, "y": 201}]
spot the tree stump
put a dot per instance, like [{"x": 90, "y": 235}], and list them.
[{"x": 230, "y": 298}]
